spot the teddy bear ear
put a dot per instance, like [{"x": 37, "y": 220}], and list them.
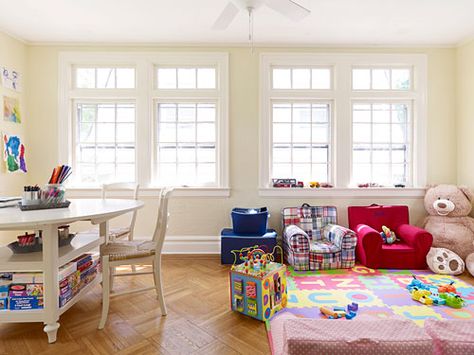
[
  {"x": 430, "y": 186},
  {"x": 467, "y": 192}
]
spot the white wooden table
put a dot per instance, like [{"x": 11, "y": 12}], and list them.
[{"x": 97, "y": 211}]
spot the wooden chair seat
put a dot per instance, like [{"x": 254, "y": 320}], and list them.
[{"x": 128, "y": 249}]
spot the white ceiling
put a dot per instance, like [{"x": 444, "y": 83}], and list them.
[{"x": 332, "y": 22}]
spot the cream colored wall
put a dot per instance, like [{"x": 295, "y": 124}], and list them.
[
  {"x": 465, "y": 113},
  {"x": 13, "y": 56},
  {"x": 206, "y": 216}
]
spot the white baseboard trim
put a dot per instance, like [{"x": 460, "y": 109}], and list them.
[{"x": 192, "y": 244}]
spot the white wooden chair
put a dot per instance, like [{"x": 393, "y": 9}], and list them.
[
  {"x": 126, "y": 231},
  {"x": 148, "y": 252}
]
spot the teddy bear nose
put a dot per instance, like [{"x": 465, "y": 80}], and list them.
[{"x": 441, "y": 205}]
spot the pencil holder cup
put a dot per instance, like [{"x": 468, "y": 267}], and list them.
[{"x": 53, "y": 194}]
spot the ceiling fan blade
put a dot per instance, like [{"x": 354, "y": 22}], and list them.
[
  {"x": 226, "y": 17},
  {"x": 289, "y": 8}
]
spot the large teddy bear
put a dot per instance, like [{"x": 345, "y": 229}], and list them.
[{"x": 448, "y": 207}]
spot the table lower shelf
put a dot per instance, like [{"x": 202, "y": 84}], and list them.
[{"x": 38, "y": 315}]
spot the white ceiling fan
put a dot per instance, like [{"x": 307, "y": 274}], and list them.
[{"x": 288, "y": 8}]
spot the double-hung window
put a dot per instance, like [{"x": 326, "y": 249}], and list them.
[
  {"x": 153, "y": 118},
  {"x": 344, "y": 119}
]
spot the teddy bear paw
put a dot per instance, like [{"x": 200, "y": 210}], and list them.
[
  {"x": 445, "y": 262},
  {"x": 470, "y": 263}
]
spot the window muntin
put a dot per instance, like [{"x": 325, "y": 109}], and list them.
[
  {"x": 382, "y": 78},
  {"x": 381, "y": 143},
  {"x": 186, "y": 145},
  {"x": 105, "y": 142},
  {"x": 302, "y": 78},
  {"x": 301, "y": 136},
  {"x": 104, "y": 78},
  {"x": 186, "y": 78}
]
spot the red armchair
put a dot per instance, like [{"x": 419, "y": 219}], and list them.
[{"x": 408, "y": 253}]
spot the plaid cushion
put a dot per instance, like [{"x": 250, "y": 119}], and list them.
[
  {"x": 324, "y": 261},
  {"x": 340, "y": 236},
  {"x": 311, "y": 219},
  {"x": 323, "y": 247}
]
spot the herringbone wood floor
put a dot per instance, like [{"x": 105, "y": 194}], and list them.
[{"x": 199, "y": 320}]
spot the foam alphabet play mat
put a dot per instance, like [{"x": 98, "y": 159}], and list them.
[{"x": 381, "y": 293}]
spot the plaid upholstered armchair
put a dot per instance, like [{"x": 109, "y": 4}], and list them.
[{"x": 312, "y": 240}]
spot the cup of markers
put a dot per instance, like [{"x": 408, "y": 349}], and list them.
[{"x": 53, "y": 194}]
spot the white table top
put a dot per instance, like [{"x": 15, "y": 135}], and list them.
[{"x": 79, "y": 210}]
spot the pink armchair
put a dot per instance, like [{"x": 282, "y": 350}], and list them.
[{"x": 408, "y": 253}]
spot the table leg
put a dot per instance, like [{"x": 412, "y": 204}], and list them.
[
  {"x": 104, "y": 232},
  {"x": 50, "y": 282}
]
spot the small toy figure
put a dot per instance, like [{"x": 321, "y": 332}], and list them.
[
  {"x": 388, "y": 236},
  {"x": 314, "y": 184},
  {"x": 422, "y": 296},
  {"x": 452, "y": 300},
  {"x": 447, "y": 288}
]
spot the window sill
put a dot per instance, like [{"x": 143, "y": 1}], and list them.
[
  {"x": 372, "y": 192},
  {"x": 149, "y": 192}
]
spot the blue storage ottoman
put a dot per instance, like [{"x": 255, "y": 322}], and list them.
[{"x": 232, "y": 241}]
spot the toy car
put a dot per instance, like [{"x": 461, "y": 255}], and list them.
[
  {"x": 422, "y": 296},
  {"x": 287, "y": 183},
  {"x": 452, "y": 300}
]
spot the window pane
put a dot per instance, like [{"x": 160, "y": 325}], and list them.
[
  {"x": 400, "y": 173},
  {"x": 126, "y": 172},
  {"x": 361, "y": 79},
  {"x": 320, "y": 113},
  {"x": 302, "y": 113},
  {"x": 319, "y": 172},
  {"x": 206, "y": 112},
  {"x": 399, "y": 133},
  {"x": 282, "y": 153},
  {"x": 86, "y": 154},
  {"x": 186, "y": 153},
  {"x": 167, "y": 132},
  {"x": 186, "y": 174},
  {"x": 281, "y": 171},
  {"x": 206, "y": 132},
  {"x": 125, "y": 78},
  {"x": 381, "y": 153},
  {"x": 282, "y": 133},
  {"x": 206, "y": 153},
  {"x": 167, "y": 153},
  {"x": 105, "y": 153},
  {"x": 125, "y": 154},
  {"x": 320, "y": 133},
  {"x": 399, "y": 153},
  {"x": 186, "y": 132},
  {"x": 105, "y": 78},
  {"x": 281, "y": 113},
  {"x": 281, "y": 78},
  {"x": 320, "y": 154},
  {"x": 167, "y": 174},
  {"x": 381, "y": 113},
  {"x": 301, "y": 172},
  {"x": 302, "y": 153},
  {"x": 301, "y": 78},
  {"x": 85, "y": 78},
  {"x": 167, "y": 78},
  {"x": 381, "y": 133},
  {"x": 167, "y": 112},
  {"x": 206, "y": 174},
  {"x": 361, "y": 113},
  {"x": 399, "y": 113},
  {"x": 362, "y": 133},
  {"x": 361, "y": 173},
  {"x": 302, "y": 132},
  {"x": 105, "y": 132},
  {"x": 186, "y": 78},
  {"x": 187, "y": 112},
  {"x": 401, "y": 79},
  {"x": 86, "y": 173},
  {"x": 380, "y": 79},
  {"x": 361, "y": 153},
  {"x": 382, "y": 174},
  {"x": 321, "y": 78},
  {"x": 125, "y": 132},
  {"x": 87, "y": 132},
  {"x": 106, "y": 113},
  {"x": 206, "y": 78},
  {"x": 86, "y": 113},
  {"x": 125, "y": 113},
  {"x": 105, "y": 172}
]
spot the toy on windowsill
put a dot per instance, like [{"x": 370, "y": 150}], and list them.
[
  {"x": 287, "y": 183},
  {"x": 258, "y": 285},
  {"x": 388, "y": 236}
]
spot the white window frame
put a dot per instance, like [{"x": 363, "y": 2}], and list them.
[
  {"x": 342, "y": 97},
  {"x": 145, "y": 95}
]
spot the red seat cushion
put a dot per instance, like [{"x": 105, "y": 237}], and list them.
[{"x": 396, "y": 256}]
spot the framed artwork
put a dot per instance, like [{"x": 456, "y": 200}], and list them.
[{"x": 11, "y": 79}]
